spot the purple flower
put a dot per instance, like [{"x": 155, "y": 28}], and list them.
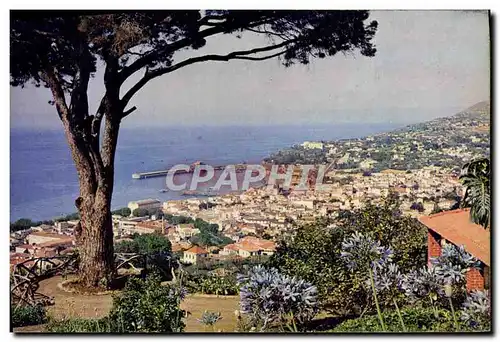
[
  {"x": 360, "y": 252},
  {"x": 266, "y": 296}
]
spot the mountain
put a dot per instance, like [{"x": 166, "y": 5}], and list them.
[{"x": 446, "y": 142}]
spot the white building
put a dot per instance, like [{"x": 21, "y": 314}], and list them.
[{"x": 148, "y": 204}]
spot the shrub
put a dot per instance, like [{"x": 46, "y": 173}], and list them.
[
  {"x": 269, "y": 298},
  {"x": 148, "y": 306},
  {"x": 143, "y": 306},
  {"x": 213, "y": 284},
  {"x": 415, "y": 319},
  {"x": 139, "y": 212},
  {"x": 28, "y": 315}
]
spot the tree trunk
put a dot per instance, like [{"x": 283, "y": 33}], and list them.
[
  {"x": 95, "y": 168},
  {"x": 96, "y": 241}
]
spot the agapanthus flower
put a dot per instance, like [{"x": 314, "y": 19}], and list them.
[
  {"x": 386, "y": 279},
  {"x": 266, "y": 295},
  {"x": 453, "y": 264},
  {"x": 360, "y": 252},
  {"x": 422, "y": 282},
  {"x": 476, "y": 309}
]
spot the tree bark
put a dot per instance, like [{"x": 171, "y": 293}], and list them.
[{"x": 95, "y": 171}]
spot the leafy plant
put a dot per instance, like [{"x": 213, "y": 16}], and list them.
[
  {"x": 148, "y": 306},
  {"x": 475, "y": 176},
  {"x": 209, "y": 319},
  {"x": 268, "y": 297},
  {"x": 28, "y": 315},
  {"x": 213, "y": 284},
  {"x": 83, "y": 325}
]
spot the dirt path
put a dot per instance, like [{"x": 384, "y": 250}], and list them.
[{"x": 68, "y": 304}]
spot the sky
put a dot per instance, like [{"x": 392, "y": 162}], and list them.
[{"x": 428, "y": 64}]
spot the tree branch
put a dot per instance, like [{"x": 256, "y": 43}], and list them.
[
  {"x": 150, "y": 57},
  {"x": 233, "y": 55}
]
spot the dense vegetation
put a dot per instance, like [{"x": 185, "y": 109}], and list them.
[
  {"x": 145, "y": 244},
  {"x": 27, "y": 315},
  {"x": 315, "y": 252}
]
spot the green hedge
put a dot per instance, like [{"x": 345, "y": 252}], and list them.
[{"x": 28, "y": 315}]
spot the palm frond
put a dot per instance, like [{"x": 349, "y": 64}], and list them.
[{"x": 475, "y": 176}]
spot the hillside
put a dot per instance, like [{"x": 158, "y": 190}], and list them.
[{"x": 445, "y": 142}]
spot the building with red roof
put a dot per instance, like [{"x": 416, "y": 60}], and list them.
[
  {"x": 455, "y": 227},
  {"x": 194, "y": 255}
]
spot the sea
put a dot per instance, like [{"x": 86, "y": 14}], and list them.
[{"x": 44, "y": 183}]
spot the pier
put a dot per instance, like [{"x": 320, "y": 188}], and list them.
[{"x": 163, "y": 173}]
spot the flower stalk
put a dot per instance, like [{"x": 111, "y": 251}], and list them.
[{"x": 379, "y": 313}]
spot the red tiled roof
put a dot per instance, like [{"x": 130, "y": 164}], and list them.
[
  {"x": 197, "y": 250},
  {"x": 456, "y": 227}
]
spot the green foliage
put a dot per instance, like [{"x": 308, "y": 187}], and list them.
[
  {"x": 140, "y": 212},
  {"x": 122, "y": 211},
  {"x": 25, "y": 223},
  {"x": 175, "y": 220},
  {"x": 83, "y": 325},
  {"x": 475, "y": 177},
  {"x": 156, "y": 249},
  {"x": 28, "y": 315},
  {"x": 73, "y": 216},
  {"x": 209, "y": 233},
  {"x": 212, "y": 284},
  {"x": 148, "y": 306},
  {"x": 145, "y": 244},
  {"x": 415, "y": 319},
  {"x": 143, "y": 306},
  {"x": 314, "y": 254}
]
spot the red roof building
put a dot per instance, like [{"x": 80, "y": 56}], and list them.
[{"x": 455, "y": 227}]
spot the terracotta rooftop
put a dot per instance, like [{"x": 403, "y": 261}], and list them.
[
  {"x": 197, "y": 250},
  {"x": 456, "y": 227}
]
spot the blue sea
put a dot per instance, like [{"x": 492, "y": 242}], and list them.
[{"x": 44, "y": 184}]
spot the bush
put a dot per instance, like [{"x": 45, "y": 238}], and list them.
[
  {"x": 28, "y": 315},
  {"x": 213, "y": 284},
  {"x": 122, "y": 211},
  {"x": 148, "y": 306},
  {"x": 140, "y": 212},
  {"x": 144, "y": 306},
  {"x": 415, "y": 319},
  {"x": 314, "y": 254}
]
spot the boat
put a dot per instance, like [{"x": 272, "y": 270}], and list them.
[{"x": 163, "y": 190}]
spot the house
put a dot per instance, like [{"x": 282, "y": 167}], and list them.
[
  {"x": 194, "y": 255},
  {"x": 186, "y": 230},
  {"x": 148, "y": 204},
  {"x": 44, "y": 237},
  {"x": 455, "y": 227},
  {"x": 250, "y": 246}
]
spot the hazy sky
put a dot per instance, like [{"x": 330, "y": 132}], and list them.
[{"x": 428, "y": 64}]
